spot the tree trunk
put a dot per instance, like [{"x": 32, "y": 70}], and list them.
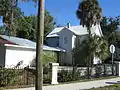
[{"x": 89, "y": 56}]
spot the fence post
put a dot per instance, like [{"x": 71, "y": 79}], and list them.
[
  {"x": 87, "y": 72},
  {"x": 26, "y": 75},
  {"x": 104, "y": 70},
  {"x": 54, "y": 77},
  {"x": 118, "y": 68}
]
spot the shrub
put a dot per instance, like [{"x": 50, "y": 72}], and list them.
[
  {"x": 47, "y": 57},
  {"x": 69, "y": 75},
  {"x": 65, "y": 76},
  {"x": 8, "y": 76},
  {"x": 47, "y": 74},
  {"x": 98, "y": 71}
]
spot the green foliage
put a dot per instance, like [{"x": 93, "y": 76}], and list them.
[
  {"x": 10, "y": 13},
  {"x": 65, "y": 76},
  {"x": 109, "y": 27},
  {"x": 47, "y": 57},
  {"x": 98, "y": 71},
  {"x": 47, "y": 72},
  {"x": 2, "y": 29},
  {"x": 80, "y": 52},
  {"x": 112, "y": 87},
  {"x": 19, "y": 25},
  {"x": 5, "y": 6},
  {"x": 27, "y": 25},
  {"x": 95, "y": 46},
  {"x": 9, "y": 7},
  {"x": 99, "y": 47},
  {"x": 69, "y": 75},
  {"x": 8, "y": 76},
  {"x": 89, "y": 12}
]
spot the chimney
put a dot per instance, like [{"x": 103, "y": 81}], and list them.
[{"x": 68, "y": 25}]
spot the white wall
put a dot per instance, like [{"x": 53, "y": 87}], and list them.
[
  {"x": 65, "y": 33},
  {"x": 98, "y": 30},
  {"x": 68, "y": 35},
  {"x": 73, "y": 41},
  {"x": 96, "y": 60},
  {"x": 15, "y": 55}
]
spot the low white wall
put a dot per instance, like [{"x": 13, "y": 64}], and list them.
[
  {"x": 15, "y": 55},
  {"x": 83, "y": 70}
]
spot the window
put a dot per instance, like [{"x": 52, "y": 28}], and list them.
[{"x": 65, "y": 40}]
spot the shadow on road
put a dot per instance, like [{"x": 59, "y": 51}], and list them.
[{"x": 118, "y": 82}]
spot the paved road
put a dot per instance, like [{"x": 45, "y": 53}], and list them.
[{"x": 78, "y": 86}]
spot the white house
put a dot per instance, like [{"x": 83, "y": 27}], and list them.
[
  {"x": 15, "y": 51},
  {"x": 65, "y": 37}
]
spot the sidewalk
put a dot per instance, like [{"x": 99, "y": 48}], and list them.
[{"x": 78, "y": 86}]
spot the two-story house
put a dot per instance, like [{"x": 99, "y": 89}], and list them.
[{"x": 65, "y": 38}]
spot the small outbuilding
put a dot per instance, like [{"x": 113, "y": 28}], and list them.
[{"x": 16, "y": 51}]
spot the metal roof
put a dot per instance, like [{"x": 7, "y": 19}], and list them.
[
  {"x": 25, "y": 43},
  {"x": 78, "y": 30},
  {"x": 55, "y": 32},
  {"x": 19, "y": 41},
  {"x": 53, "y": 48}
]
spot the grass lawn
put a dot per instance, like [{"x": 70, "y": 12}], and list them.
[{"x": 112, "y": 87}]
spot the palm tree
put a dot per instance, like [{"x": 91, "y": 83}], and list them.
[
  {"x": 89, "y": 13},
  {"x": 99, "y": 47}
]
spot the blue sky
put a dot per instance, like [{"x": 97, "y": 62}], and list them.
[{"x": 64, "y": 10}]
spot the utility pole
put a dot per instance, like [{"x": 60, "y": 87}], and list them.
[{"x": 39, "y": 49}]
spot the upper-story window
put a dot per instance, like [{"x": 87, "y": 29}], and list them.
[{"x": 65, "y": 40}]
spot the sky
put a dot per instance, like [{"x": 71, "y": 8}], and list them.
[{"x": 64, "y": 10}]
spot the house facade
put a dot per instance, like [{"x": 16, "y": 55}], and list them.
[{"x": 66, "y": 37}]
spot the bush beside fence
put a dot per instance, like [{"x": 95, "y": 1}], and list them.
[
  {"x": 26, "y": 76},
  {"x": 67, "y": 74},
  {"x": 21, "y": 76}
]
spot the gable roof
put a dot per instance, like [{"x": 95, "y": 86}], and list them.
[
  {"x": 25, "y": 43},
  {"x": 19, "y": 41},
  {"x": 55, "y": 32},
  {"x": 77, "y": 30}
]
